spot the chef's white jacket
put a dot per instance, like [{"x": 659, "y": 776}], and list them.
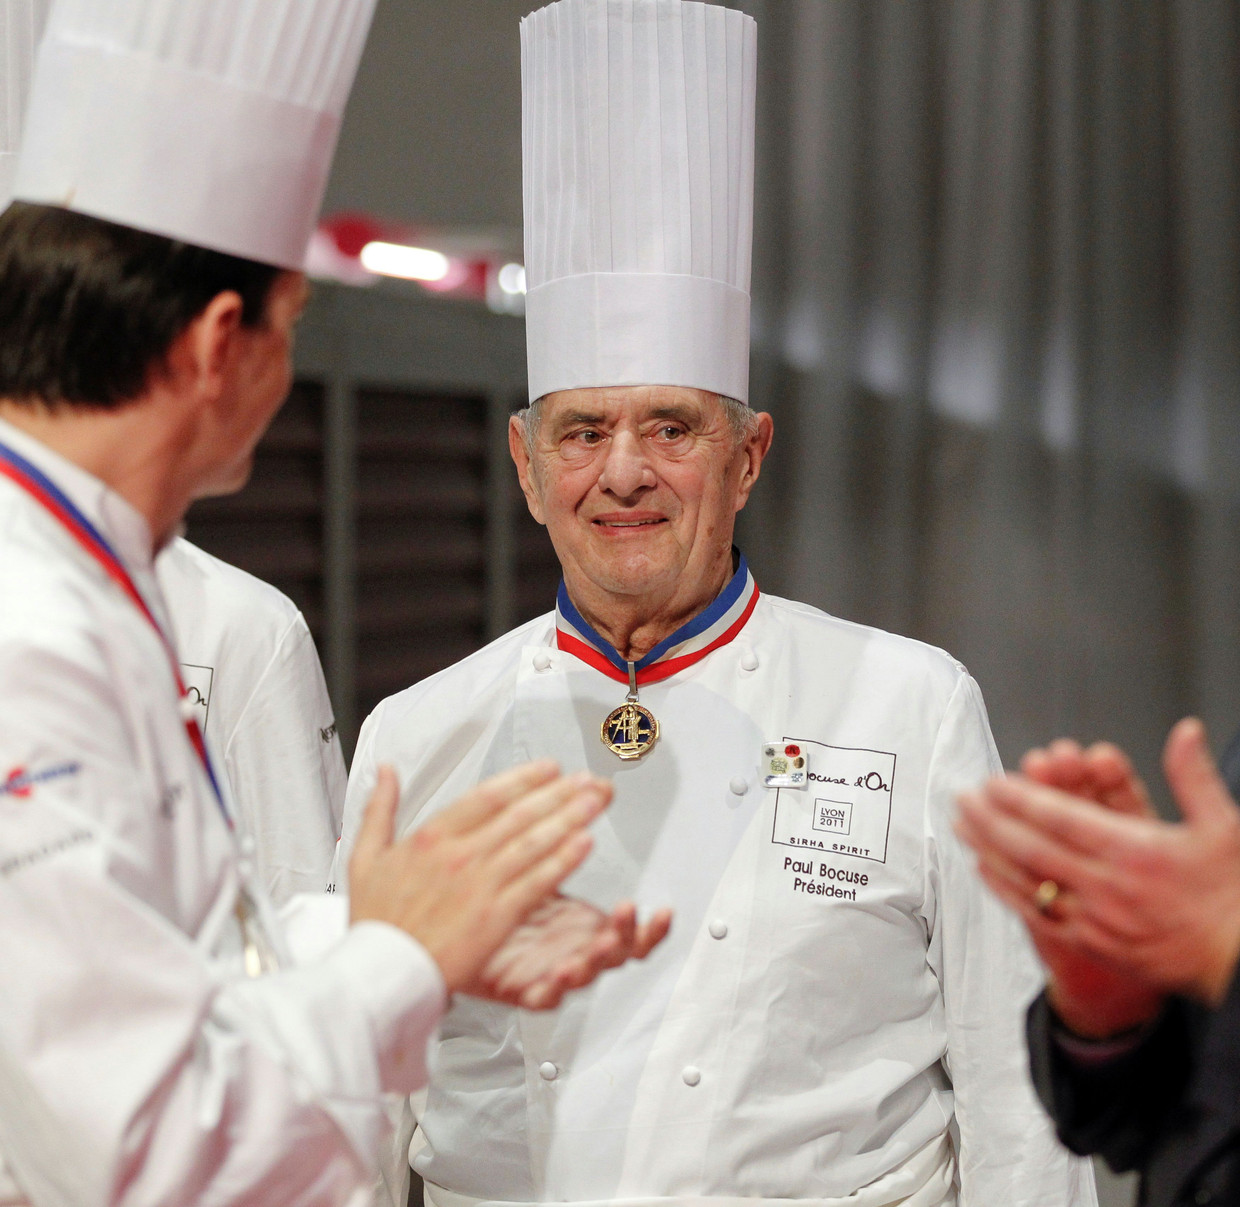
[
  {"x": 138, "y": 1064},
  {"x": 250, "y": 667},
  {"x": 838, "y": 994}
]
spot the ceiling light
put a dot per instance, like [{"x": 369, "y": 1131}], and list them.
[
  {"x": 408, "y": 263},
  {"x": 512, "y": 278}
]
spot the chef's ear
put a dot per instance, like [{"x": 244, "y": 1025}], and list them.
[
  {"x": 523, "y": 458},
  {"x": 200, "y": 356},
  {"x": 754, "y": 449}
]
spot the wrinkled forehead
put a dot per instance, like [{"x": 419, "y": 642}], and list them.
[{"x": 613, "y": 404}]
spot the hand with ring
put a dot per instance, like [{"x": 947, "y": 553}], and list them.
[{"x": 1123, "y": 908}]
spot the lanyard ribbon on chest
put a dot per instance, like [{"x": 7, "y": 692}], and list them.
[
  {"x": 630, "y": 730},
  {"x": 45, "y": 492},
  {"x": 257, "y": 952}
]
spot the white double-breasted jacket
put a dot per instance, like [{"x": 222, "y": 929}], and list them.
[
  {"x": 138, "y": 1063},
  {"x": 838, "y": 995}
]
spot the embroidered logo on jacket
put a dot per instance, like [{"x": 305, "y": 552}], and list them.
[
  {"x": 199, "y": 680},
  {"x": 846, "y": 807},
  {"x": 21, "y": 783}
]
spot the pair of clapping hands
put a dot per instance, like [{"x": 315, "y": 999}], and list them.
[
  {"x": 1125, "y": 909},
  {"x": 477, "y": 886}
]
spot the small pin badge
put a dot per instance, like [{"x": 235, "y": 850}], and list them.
[{"x": 784, "y": 765}]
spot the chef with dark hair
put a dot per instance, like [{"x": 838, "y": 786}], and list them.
[{"x": 164, "y": 1036}]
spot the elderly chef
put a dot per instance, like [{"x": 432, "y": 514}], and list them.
[
  {"x": 163, "y": 1037},
  {"x": 835, "y": 1018}
]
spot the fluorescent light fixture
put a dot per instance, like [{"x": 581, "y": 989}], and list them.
[
  {"x": 408, "y": 263},
  {"x": 512, "y": 278}
]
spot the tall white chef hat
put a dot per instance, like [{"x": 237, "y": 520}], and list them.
[
  {"x": 638, "y": 136},
  {"x": 209, "y": 121},
  {"x": 21, "y": 24}
]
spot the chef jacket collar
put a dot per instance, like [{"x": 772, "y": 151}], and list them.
[
  {"x": 116, "y": 518},
  {"x": 716, "y": 625}
]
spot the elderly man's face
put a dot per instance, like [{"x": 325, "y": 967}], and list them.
[{"x": 639, "y": 487}]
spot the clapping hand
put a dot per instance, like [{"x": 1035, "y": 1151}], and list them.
[
  {"x": 476, "y": 886},
  {"x": 1123, "y": 907},
  {"x": 564, "y": 944}
]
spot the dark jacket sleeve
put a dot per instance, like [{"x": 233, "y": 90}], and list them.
[
  {"x": 1229, "y": 766},
  {"x": 1170, "y": 1107},
  {"x": 1117, "y": 1108}
]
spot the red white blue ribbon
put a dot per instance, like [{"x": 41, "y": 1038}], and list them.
[
  {"x": 706, "y": 632},
  {"x": 45, "y": 492}
]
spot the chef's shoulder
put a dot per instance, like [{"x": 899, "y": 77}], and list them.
[
  {"x": 459, "y": 702},
  {"x": 845, "y": 648},
  {"x": 65, "y": 661},
  {"x": 217, "y": 606},
  {"x": 49, "y": 608}
]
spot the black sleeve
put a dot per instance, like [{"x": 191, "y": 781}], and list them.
[
  {"x": 1215, "y": 1038},
  {"x": 1229, "y": 765},
  {"x": 1115, "y": 1109}
]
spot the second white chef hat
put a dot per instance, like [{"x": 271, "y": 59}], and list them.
[
  {"x": 638, "y": 144},
  {"x": 21, "y": 24},
  {"x": 209, "y": 121}
]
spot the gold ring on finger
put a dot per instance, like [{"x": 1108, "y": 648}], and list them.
[{"x": 1045, "y": 895}]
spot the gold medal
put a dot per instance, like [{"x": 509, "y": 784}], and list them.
[{"x": 630, "y": 730}]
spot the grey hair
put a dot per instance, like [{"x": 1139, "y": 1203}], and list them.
[{"x": 741, "y": 419}]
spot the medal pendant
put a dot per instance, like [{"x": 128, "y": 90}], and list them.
[
  {"x": 257, "y": 953},
  {"x": 630, "y": 730}
]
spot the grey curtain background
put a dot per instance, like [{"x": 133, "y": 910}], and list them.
[{"x": 997, "y": 319}]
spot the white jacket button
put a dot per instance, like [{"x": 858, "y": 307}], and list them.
[
  {"x": 547, "y": 1071},
  {"x": 542, "y": 662},
  {"x": 739, "y": 785},
  {"x": 691, "y": 1076},
  {"x": 189, "y": 709},
  {"x": 749, "y": 661},
  {"x": 718, "y": 928}
]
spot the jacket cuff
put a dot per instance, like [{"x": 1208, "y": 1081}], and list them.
[
  {"x": 1093, "y": 1052},
  {"x": 403, "y": 994}
]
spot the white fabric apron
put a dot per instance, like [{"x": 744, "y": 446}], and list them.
[{"x": 926, "y": 1179}]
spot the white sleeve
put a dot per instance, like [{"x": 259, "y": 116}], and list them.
[
  {"x": 136, "y": 1065},
  {"x": 988, "y": 973},
  {"x": 391, "y": 1189},
  {"x": 362, "y": 777},
  {"x": 286, "y": 769}
]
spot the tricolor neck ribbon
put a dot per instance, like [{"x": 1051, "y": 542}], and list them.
[
  {"x": 46, "y": 493},
  {"x": 706, "y": 632}
]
